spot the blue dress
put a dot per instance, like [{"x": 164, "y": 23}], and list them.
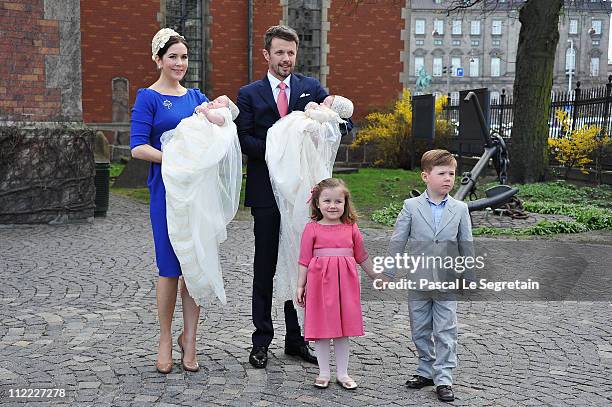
[{"x": 152, "y": 115}]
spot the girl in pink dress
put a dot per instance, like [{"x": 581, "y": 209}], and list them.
[{"x": 328, "y": 283}]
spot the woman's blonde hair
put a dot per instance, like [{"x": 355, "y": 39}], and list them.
[{"x": 350, "y": 214}]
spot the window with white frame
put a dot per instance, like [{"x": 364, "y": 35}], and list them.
[
  {"x": 474, "y": 66},
  {"x": 419, "y": 26},
  {"x": 457, "y": 27},
  {"x": 496, "y": 27},
  {"x": 439, "y": 26},
  {"x": 573, "y": 26},
  {"x": 419, "y": 42},
  {"x": 419, "y": 62},
  {"x": 495, "y": 66},
  {"x": 594, "y": 66},
  {"x": 596, "y": 24},
  {"x": 455, "y": 63},
  {"x": 475, "y": 27},
  {"x": 570, "y": 60},
  {"x": 437, "y": 66}
]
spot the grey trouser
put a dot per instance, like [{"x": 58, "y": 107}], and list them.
[{"x": 434, "y": 333}]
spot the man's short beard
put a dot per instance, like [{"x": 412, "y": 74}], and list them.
[{"x": 280, "y": 73}]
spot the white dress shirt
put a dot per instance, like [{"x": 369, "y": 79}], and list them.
[{"x": 274, "y": 82}]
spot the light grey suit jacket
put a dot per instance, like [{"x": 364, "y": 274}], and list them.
[{"x": 415, "y": 227}]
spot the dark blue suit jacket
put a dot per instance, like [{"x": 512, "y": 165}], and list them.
[{"x": 258, "y": 112}]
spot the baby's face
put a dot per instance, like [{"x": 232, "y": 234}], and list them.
[
  {"x": 221, "y": 101},
  {"x": 328, "y": 101}
]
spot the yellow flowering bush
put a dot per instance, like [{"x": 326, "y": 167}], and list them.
[
  {"x": 392, "y": 131},
  {"x": 574, "y": 149}
]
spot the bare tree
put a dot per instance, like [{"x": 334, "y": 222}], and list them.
[
  {"x": 537, "y": 44},
  {"x": 533, "y": 82}
]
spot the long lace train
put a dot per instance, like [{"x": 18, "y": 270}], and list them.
[{"x": 202, "y": 172}]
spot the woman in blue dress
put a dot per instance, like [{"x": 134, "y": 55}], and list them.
[{"x": 157, "y": 109}]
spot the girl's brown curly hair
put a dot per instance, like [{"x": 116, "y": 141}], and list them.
[{"x": 350, "y": 214}]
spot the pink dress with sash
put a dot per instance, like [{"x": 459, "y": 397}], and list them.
[{"x": 333, "y": 304}]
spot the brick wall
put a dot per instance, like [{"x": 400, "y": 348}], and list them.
[
  {"x": 229, "y": 47},
  {"x": 116, "y": 42},
  {"x": 25, "y": 39},
  {"x": 229, "y": 42},
  {"x": 364, "y": 43},
  {"x": 364, "y": 52},
  {"x": 266, "y": 14}
]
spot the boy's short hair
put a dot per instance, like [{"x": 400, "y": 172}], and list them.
[
  {"x": 433, "y": 158},
  {"x": 280, "y": 31}
]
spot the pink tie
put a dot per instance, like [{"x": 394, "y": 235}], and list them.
[{"x": 281, "y": 102}]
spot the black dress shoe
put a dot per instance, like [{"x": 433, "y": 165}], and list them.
[
  {"x": 445, "y": 393},
  {"x": 259, "y": 357},
  {"x": 418, "y": 382},
  {"x": 301, "y": 351}
]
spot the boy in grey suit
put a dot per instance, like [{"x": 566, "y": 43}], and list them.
[{"x": 434, "y": 225}]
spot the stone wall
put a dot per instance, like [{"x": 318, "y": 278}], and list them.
[{"x": 46, "y": 174}]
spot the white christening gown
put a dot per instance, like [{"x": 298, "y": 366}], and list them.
[
  {"x": 202, "y": 173},
  {"x": 300, "y": 152}
]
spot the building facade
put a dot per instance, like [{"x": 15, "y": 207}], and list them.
[
  {"x": 353, "y": 48},
  {"x": 85, "y": 60},
  {"x": 479, "y": 45}
]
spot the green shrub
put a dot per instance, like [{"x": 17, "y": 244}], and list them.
[
  {"x": 588, "y": 207},
  {"x": 388, "y": 214}
]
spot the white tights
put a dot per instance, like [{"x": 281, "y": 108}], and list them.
[{"x": 341, "y": 351}]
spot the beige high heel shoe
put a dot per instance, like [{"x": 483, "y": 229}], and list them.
[
  {"x": 188, "y": 367},
  {"x": 165, "y": 368}
]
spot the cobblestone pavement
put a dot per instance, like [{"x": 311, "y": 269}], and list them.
[{"x": 77, "y": 312}]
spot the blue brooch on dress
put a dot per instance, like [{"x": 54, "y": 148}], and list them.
[{"x": 167, "y": 103}]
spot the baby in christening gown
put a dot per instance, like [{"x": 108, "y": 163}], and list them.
[
  {"x": 202, "y": 173},
  {"x": 300, "y": 152},
  {"x": 326, "y": 111},
  {"x": 210, "y": 110}
]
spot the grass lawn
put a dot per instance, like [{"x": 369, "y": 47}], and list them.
[
  {"x": 371, "y": 188},
  {"x": 139, "y": 194},
  {"x": 379, "y": 193},
  {"x": 589, "y": 207},
  {"x": 561, "y": 192}
]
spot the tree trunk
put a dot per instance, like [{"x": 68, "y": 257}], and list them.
[{"x": 535, "y": 60}]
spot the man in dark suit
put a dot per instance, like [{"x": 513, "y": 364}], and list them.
[{"x": 261, "y": 104}]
